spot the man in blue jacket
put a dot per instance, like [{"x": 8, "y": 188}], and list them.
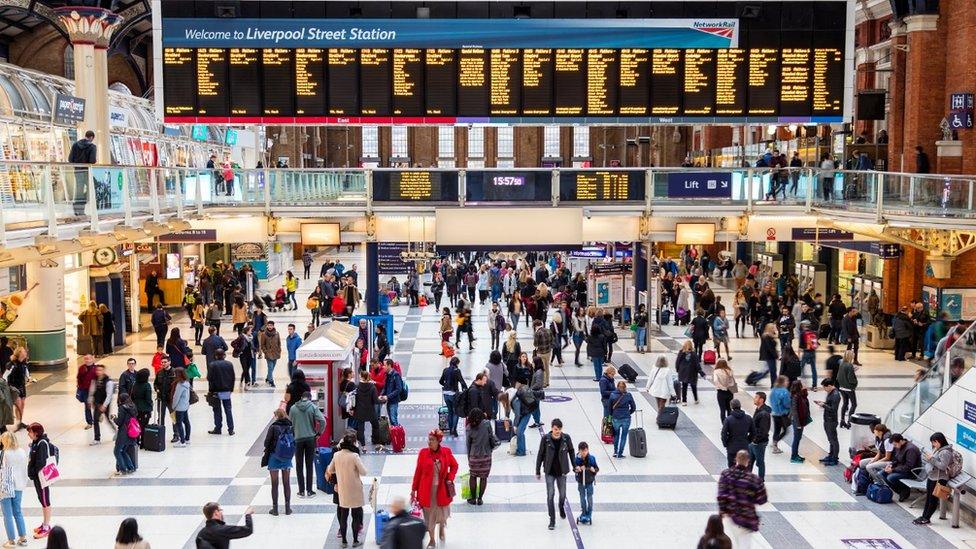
[
  {"x": 391, "y": 391},
  {"x": 292, "y": 343},
  {"x": 607, "y": 387}
]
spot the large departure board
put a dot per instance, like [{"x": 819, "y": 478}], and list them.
[
  {"x": 415, "y": 186},
  {"x": 655, "y": 70},
  {"x": 601, "y": 185}
]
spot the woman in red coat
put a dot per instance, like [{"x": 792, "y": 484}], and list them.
[{"x": 433, "y": 483}]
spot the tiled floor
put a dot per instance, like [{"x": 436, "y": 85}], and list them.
[{"x": 665, "y": 497}]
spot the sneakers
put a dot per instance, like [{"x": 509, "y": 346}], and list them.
[
  {"x": 22, "y": 541},
  {"x": 797, "y": 459},
  {"x": 94, "y": 443},
  {"x": 179, "y": 445},
  {"x": 9, "y": 543},
  {"x": 301, "y": 495},
  {"x": 42, "y": 532},
  {"x": 88, "y": 426},
  {"x": 776, "y": 450}
]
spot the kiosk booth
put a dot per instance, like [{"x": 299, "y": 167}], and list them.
[{"x": 323, "y": 356}]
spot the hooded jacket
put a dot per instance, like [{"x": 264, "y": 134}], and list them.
[
  {"x": 307, "y": 419},
  {"x": 83, "y": 151},
  {"x": 737, "y": 432}
]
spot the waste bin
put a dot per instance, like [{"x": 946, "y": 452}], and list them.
[{"x": 861, "y": 435}]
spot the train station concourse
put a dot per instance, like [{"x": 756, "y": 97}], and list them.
[{"x": 478, "y": 273}]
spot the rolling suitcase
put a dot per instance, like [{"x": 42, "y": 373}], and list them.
[
  {"x": 628, "y": 372},
  {"x": 443, "y": 415},
  {"x": 637, "y": 438},
  {"x": 503, "y": 430},
  {"x": 755, "y": 377},
  {"x": 667, "y": 418},
  {"x": 154, "y": 435},
  {"x": 381, "y": 518},
  {"x": 381, "y": 435},
  {"x": 323, "y": 456},
  {"x": 398, "y": 438},
  {"x": 665, "y": 317}
]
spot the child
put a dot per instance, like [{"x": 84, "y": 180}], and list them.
[
  {"x": 157, "y": 359},
  {"x": 586, "y": 470}
]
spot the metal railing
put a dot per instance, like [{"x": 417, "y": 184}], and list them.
[
  {"x": 50, "y": 194},
  {"x": 932, "y": 383}
]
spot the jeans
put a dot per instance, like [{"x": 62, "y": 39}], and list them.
[
  {"x": 830, "y": 428},
  {"x": 88, "y": 413},
  {"x": 218, "y": 420},
  {"x": 123, "y": 461},
  {"x": 586, "y": 502},
  {"x": 931, "y": 502},
  {"x": 523, "y": 422},
  {"x": 620, "y": 429},
  {"x": 849, "y": 397},
  {"x": 248, "y": 369},
  {"x": 854, "y": 345},
  {"x": 684, "y": 390},
  {"x": 304, "y": 452},
  {"x": 452, "y": 419},
  {"x": 724, "y": 403},
  {"x": 552, "y": 483},
  {"x": 494, "y": 339},
  {"x": 894, "y": 481},
  {"x": 640, "y": 338},
  {"x": 771, "y": 365},
  {"x": 597, "y": 366},
  {"x": 12, "y": 515},
  {"x": 797, "y": 437},
  {"x": 757, "y": 456},
  {"x": 781, "y": 426},
  {"x": 835, "y": 330},
  {"x": 515, "y": 319},
  {"x": 271, "y": 366},
  {"x": 578, "y": 342},
  {"x": 291, "y": 368},
  {"x": 810, "y": 358},
  {"x": 391, "y": 410},
  {"x": 182, "y": 426}
]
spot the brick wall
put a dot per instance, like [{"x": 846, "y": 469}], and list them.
[{"x": 960, "y": 71}]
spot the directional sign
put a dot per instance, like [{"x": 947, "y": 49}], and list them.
[{"x": 699, "y": 185}]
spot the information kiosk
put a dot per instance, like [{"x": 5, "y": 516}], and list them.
[{"x": 322, "y": 357}]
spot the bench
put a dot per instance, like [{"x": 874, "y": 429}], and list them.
[{"x": 960, "y": 484}]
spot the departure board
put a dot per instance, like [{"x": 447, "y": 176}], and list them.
[
  {"x": 472, "y": 85},
  {"x": 571, "y": 77},
  {"x": 601, "y": 185},
  {"x": 343, "y": 64},
  {"x": 763, "y": 81},
  {"x": 244, "y": 76},
  {"x": 310, "y": 89},
  {"x": 794, "y": 82},
  {"x": 505, "y": 82},
  {"x": 415, "y": 186},
  {"x": 730, "y": 71},
  {"x": 374, "y": 79},
  {"x": 667, "y": 81},
  {"x": 278, "y": 81},
  {"x": 602, "y": 75},
  {"x": 635, "y": 78},
  {"x": 212, "y": 82},
  {"x": 408, "y": 82},
  {"x": 537, "y": 68},
  {"x": 180, "y": 75},
  {"x": 828, "y": 81},
  {"x": 699, "y": 95},
  {"x": 440, "y": 76}
]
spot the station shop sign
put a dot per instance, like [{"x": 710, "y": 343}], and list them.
[
  {"x": 189, "y": 235},
  {"x": 68, "y": 109},
  {"x": 249, "y": 251},
  {"x": 700, "y": 185}
]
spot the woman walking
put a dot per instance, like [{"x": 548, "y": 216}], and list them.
[
  {"x": 580, "y": 327},
  {"x": 725, "y": 387},
  {"x": 689, "y": 369},
  {"x": 452, "y": 384},
  {"x": 17, "y": 379},
  {"x": 596, "y": 350},
  {"x": 481, "y": 442},
  {"x": 799, "y": 417},
  {"x": 720, "y": 334},
  {"x": 660, "y": 383},
  {"x": 238, "y": 314},
  {"x": 124, "y": 465},
  {"x": 767, "y": 350},
  {"x": 40, "y": 451},
  {"x": 847, "y": 384},
  {"x": 622, "y": 406},
  {"x": 640, "y": 332},
  {"x": 178, "y": 351},
  {"x": 346, "y": 471},
  {"x": 515, "y": 307},
  {"x": 278, "y": 459},
  {"x": 291, "y": 286},
  {"x": 180, "y": 399},
  {"x": 13, "y": 461},
  {"x": 196, "y": 320},
  {"x": 447, "y": 326},
  {"x": 433, "y": 484}
]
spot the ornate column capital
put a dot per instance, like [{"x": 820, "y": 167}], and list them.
[{"x": 86, "y": 25}]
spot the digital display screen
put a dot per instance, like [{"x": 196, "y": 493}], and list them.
[
  {"x": 763, "y": 81},
  {"x": 180, "y": 75},
  {"x": 212, "y": 92},
  {"x": 278, "y": 69},
  {"x": 602, "y": 75},
  {"x": 310, "y": 89},
  {"x": 440, "y": 76},
  {"x": 374, "y": 81},
  {"x": 667, "y": 81},
  {"x": 472, "y": 88},
  {"x": 508, "y": 186},
  {"x": 537, "y": 67},
  {"x": 635, "y": 82},
  {"x": 244, "y": 75},
  {"x": 408, "y": 83},
  {"x": 415, "y": 186},
  {"x": 601, "y": 185},
  {"x": 570, "y": 81},
  {"x": 342, "y": 66},
  {"x": 505, "y": 82}
]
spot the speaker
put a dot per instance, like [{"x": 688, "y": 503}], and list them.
[
  {"x": 750, "y": 11},
  {"x": 871, "y": 105},
  {"x": 227, "y": 10}
]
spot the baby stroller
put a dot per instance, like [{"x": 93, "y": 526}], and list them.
[{"x": 279, "y": 299}]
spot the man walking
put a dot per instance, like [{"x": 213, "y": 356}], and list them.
[
  {"x": 152, "y": 290},
  {"x": 542, "y": 341},
  {"x": 100, "y": 400},
  {"x": 739, "y": 493},
  {"x": 761, "y": 421},
  {"x": 220, "y": 384},
  {"x": 556, "y": 458},
  {"x": 292, "y": 342},
  {"x": 849, "y": 329},
  {"x": 830, "y": 418},
  {"x": 736, "y": 431},
  {"x": 160, "y": 321},
  {"x": 212, "y": 344},
  {"x": 269, "y": 342},
  {"x": 83, "y": 151},
  {"x": 307, "y": 263}
]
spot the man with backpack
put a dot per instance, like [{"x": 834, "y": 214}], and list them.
[{"x": 809, "y": 344}]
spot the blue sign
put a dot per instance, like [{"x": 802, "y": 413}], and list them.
[
  {"x": 965, "y": 437},
  {"x": 590, "y": 252},
  {"x": 230, "y": 138},
  {"x": 200, "y": 132},
  {"x": 969, "y": 411},
  {"x": 960, "y": 111},
  {"x": 450, "y": 33},
  {"x": 699, "y": 185}
]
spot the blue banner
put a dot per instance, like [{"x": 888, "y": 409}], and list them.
[
  {"x": 699, "y": 185},
  {"x": 965, "y": 437},
  {"x": 450, "y": 33}
]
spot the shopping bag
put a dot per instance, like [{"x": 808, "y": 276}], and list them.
[{"x": 50, "y": 473}]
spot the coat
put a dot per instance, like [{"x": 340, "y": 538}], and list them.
[
  {"x": 270, "y": 344},
  {"x": 660, "y": 384},
  {"x": 91, "y": 322},
  {"x": 688, "y": 366},
  {"x": 349, "y": 470},
  {"x": 177, "y": 352},
  {"x": 423, "y": 476},
  {"x": 737, "y": 432},
  {"x": 216, "y": 534},
  {"x": 366, "y": 401}
]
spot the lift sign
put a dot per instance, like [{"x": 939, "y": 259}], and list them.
[{"x": 699, "y": 185}]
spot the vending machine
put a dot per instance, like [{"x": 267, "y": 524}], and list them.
[
  {"x": 812, "y": 275},
  {"x": 323, "y": 357}
]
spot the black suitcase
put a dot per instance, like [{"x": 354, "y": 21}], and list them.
[
  {"x": 133, "y": 450},
  {"x": 667, "y": 418},
  {"x": 755, "y": 377},
  {"x": 628, "y": 372},
  {"x": 637, "y": 438},
  {"x": 665, "y": 317},
  {"x": 154, "y": 437}
]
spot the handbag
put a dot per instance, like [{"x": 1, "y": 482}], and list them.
[
  {"x": 7, "y": 487},
  {"x": 940, "y": 491},
  {"x": 212, "y": 399},
  {"x": 192, "y": 372},
  {"x": 49, "y": 474},
  {"x": 194, "y": 398},
  {"x": 449, "y": 487}
]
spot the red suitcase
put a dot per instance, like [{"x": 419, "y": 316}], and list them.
[{"x": 398, "y": 438}]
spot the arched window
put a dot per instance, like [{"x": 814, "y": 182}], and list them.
[{"x": 69, "y": 61}]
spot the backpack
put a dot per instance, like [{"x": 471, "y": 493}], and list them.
[
  {"x": 350, "y": 401},
  {"x": 53, "y": 450},
  {"x": 133, "y": 429},
  {"x": 461, "y": 405},
  {"x": 810, "y": 341},
  {"x": 236, "y": 346},
  {"x": 285, "y": 447},
  {"x": 955, "y": 464},
  {"x": 404, "y": 390}
]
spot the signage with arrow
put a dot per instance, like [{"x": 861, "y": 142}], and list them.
[{"x": 699, "y": 185}]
